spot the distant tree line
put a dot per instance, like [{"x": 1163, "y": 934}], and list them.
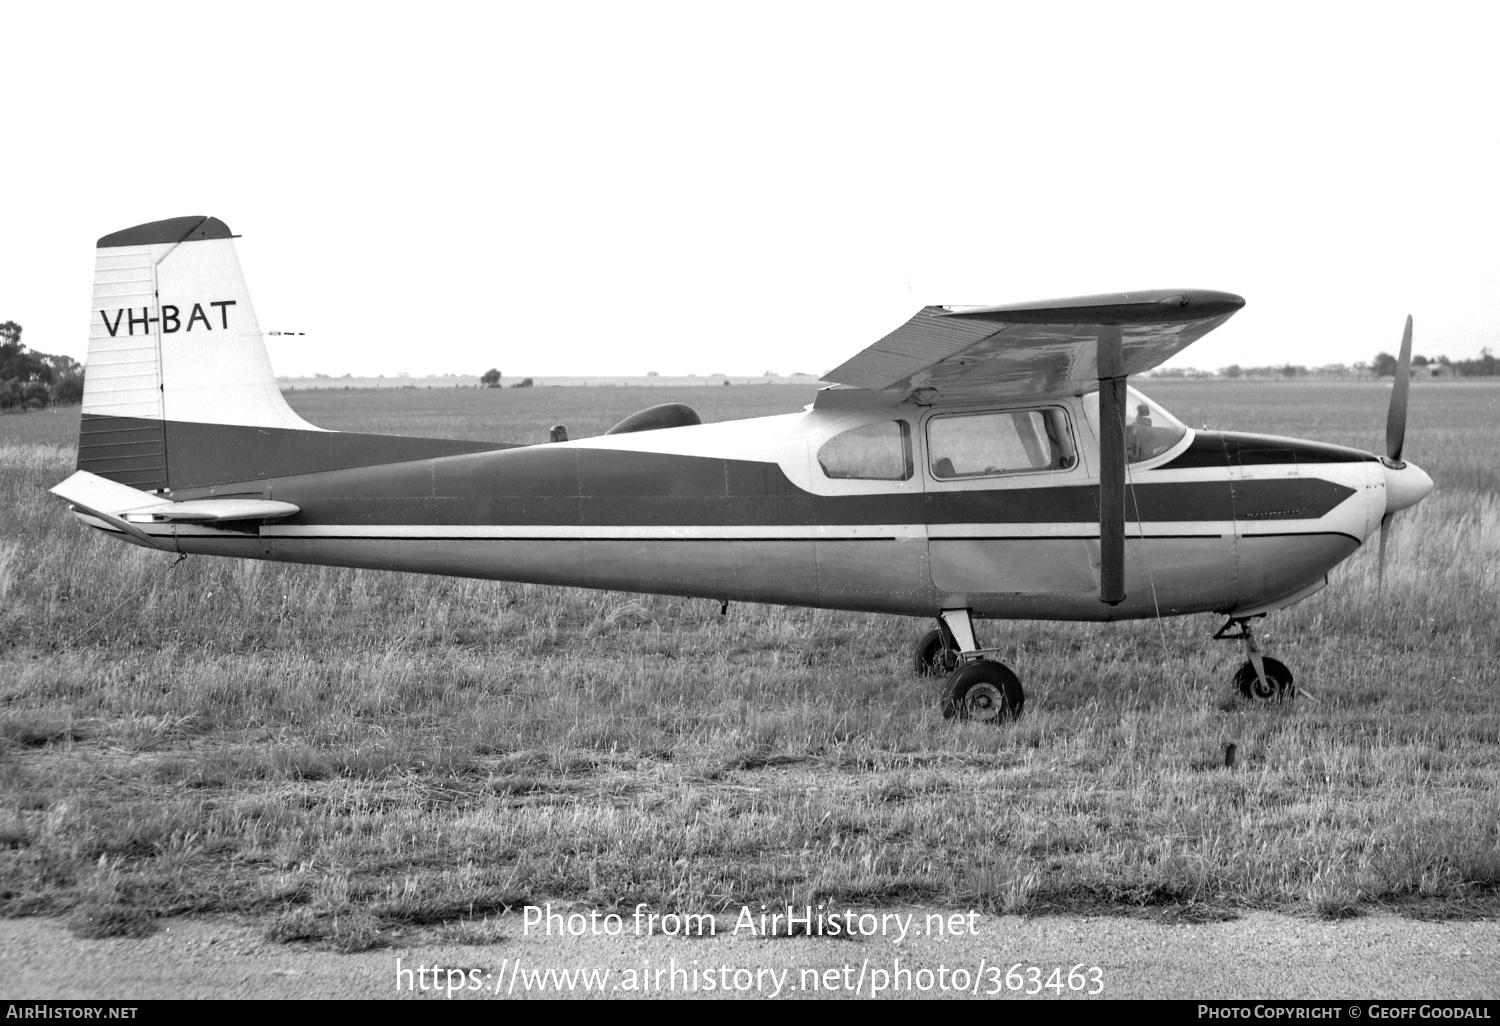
[
  {"x": 30, "y": 380},
  {"x": 1384, "y": 365}
]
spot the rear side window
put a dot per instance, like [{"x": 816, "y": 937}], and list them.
[
  {"x": 1013, "y": 442},
  {"x": 870, "y": 452}
]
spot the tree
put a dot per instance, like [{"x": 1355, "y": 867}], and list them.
[
  {"x": 16, "y": 364},
  {"x": 30, "y": 380},
  {"x": 62, "y": 365},
  {"x": 68, "y": 389},
  {"x": 1384, "y": 365},
  {"x": 490, "y": 378}
]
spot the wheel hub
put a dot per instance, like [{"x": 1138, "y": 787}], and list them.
[{"x": 984, "y": 702}]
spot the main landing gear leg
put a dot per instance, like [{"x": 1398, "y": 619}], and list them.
[
  {"x": 960, "y": 628},
  {"x": 978, "y": 688},
  {"x": 1261, "y": 678}
]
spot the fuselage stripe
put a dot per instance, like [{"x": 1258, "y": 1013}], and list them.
[{"x": 892, "y": 532}]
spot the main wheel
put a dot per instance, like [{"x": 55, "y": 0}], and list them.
[
  {"x": 934, "y": 655},
  {"x": 983, "y": 691},
  {"x": 1278, "y": 686}
]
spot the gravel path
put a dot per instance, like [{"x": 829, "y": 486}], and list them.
[{"x": 1259, "y": 956}]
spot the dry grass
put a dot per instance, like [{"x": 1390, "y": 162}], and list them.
[{"x": 347, "y": 754}]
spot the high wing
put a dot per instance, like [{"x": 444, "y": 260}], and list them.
[
  {"x": 1034, "y": 351},
  {"x": 1038, "y": 351}
]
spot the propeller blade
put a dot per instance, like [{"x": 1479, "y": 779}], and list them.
[
  {"x": 1385, "y": 532},
  {"x": 1395, "y": 421}
]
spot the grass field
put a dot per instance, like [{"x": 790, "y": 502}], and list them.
[{"x": 345, "y": 755}]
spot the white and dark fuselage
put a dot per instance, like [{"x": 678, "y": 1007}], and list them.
[
  {"x": 745, "y": 511},
  {"x": 962, "y": 471}
]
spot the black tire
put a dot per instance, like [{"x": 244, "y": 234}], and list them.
[
  {"x": 934, "y": 655},
  {"x": 983, "y": 692},
  {"x": 1278, "y": 678}
]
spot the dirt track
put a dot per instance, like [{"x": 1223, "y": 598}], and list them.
[{"x": 1259, "y": 956}]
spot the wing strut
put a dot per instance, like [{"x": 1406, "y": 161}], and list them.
[{"x": 1111, "y": 466}]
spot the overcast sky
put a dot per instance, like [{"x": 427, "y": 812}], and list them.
[{"x": 565, "y": 188}]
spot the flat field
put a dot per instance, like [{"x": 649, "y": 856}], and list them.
[{"x": 343, "y": 756}]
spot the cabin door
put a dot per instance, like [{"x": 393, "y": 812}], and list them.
[{"x": 1009, "y": 507}]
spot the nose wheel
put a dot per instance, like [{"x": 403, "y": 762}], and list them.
[
  {"x": 1261, "y": 679},
  {"x": 1271, "y": 683}
]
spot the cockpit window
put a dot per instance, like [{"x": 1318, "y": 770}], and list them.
[
  {"x": 1149, "y": 429},
  {"x": 870, "y": 452},
  {"x": 1013, "y": 442}
]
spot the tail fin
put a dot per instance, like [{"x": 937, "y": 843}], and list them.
[
  {"x": 180, "y": 394},
  {"x": 173, "y": 341}
]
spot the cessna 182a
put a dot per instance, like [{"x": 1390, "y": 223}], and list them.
[{"x": 976, "y": 463}]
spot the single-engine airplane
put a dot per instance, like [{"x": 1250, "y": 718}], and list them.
[{"x": 981, "y": 462}]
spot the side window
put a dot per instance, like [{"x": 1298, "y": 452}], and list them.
[
  {"x": 978, "y": 444},
  {"x": 870, "y": 452}
]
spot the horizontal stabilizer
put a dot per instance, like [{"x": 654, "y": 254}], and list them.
[
  {"x": 120, "y": 504},
  {"x": 99, "y": 494},
  {"x": 200, "y": 511}
]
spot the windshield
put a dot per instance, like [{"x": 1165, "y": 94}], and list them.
[{"x": 1149, "y": 429}]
